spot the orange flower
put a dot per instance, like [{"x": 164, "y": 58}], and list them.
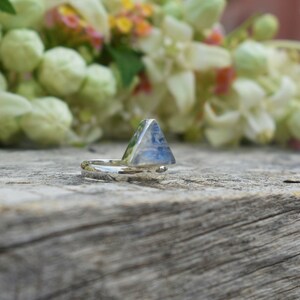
[
  {"x": 146, "y": 10},
  {"x": 142, "y": 28},
  {"x": 215, "y": 38},
  {"x": 224, "y": 79}
]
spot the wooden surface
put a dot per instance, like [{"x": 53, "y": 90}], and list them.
[{"x": 220, "y": 225}]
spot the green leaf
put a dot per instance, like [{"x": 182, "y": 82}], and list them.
[
  {"x": 129, "y": 63},
  {"x": 7, "y": 7}
]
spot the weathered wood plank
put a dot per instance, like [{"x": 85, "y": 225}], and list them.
[{"x": 220, "y": 225}]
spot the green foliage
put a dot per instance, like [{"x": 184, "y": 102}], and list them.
[
  {"x": 128, "y": 61},
  {"x": 7, "y": 7}
]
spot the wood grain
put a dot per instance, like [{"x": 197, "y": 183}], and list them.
[{"x": 220, "y": 225}]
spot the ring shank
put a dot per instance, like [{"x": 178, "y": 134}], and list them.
[{"x": 110, "y": 168}]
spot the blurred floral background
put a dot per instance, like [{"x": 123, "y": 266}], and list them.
[
  {"x": 74, "y": 72},
  {"x": 287, "y": 12}
]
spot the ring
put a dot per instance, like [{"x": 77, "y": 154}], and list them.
[{"x": 146, "y": 157}]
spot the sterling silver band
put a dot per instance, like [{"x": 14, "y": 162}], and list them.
[{"x": 117, "y": 170}]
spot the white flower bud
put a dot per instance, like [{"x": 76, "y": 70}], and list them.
[
  {"x": 29, "y": 13},
  {"x": 250, "y": 59},
  {"x": 62, "y": 71},
  {"x": 21, "y": 50},
  {"x": 49, "y": 121},
  {"x": 11, "y": 107},
  {"x": 293, "y": 122},
  {"x": 265, "y": 27},
  {"x": 99, "y": 85},
  {"x": 3, "y": 83},
  {"x": 30, "y": 89},
  {"x": 9, "y": 128},
  {"x": 203, "y": 14}
]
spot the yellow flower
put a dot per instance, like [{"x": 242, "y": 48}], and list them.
[
  {"x": 124, "y": 24},
  {"x": 128, "y": 4},
  {"x": 66, "y": 10},
  {"x": 112, "y": 21}
]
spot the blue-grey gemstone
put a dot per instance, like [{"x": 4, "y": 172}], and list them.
[{"x": 148, "y": 146}]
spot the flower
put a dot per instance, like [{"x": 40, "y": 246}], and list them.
[
  {"x": 112, "y": 6},
  {"x": 143, "y": 85},
  {"x": 278, "y": 102},
  {"x": 132, "y": 19},
  {"x": 29, "y": 14},
  {"x": 9, "y": 129},
  {"x": 203, "y": 14},
  {"x": 216, "y": 37},
  {"x": 224, "y": 79},
  {"x": 92, "y": 11},
  {"x": 222, "y": 129},
  {"x": 172, "y": 57},
  {"x": 67, "y": 27},
  {"x": 3, "y": 83},
  {"x": 174, "y": 9},
  {"x": 127, "y": 4},
  {"x": 246, "y": 115},
  {"x": 265, "y": 27},
  {"x": 250, "y": 59},
  {"x": 182, "y": 87},
  {"x": 142, "y": 28},
  {"x": 30, "y": 89},
  {"x": 12, "y": 107},
  {"x": 21, "y": 50},
  {"x": 118, "y": 61},
  {"x": 124, "y": 24},
  {"x": 49, "y": 121},
  {"x": 146, "y": 9},
  {"x": 95, "y": 38},
  {"x": 99, "y": 86},
  {"x": 260, "y": 127},
  {"x": 293, "y": 122},
  {"x": 62, "y": 71}
]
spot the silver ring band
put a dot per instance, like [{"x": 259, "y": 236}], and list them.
[{"x": 117, "y": 170}]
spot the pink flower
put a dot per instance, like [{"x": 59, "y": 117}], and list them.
[
  {"x": 69, "y": 28},
  {"x": 70, "y": 21},
  {"x": 95, "y": 37}
]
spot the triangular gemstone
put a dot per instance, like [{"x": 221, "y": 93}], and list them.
[{"x": 148, "y": 146}]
